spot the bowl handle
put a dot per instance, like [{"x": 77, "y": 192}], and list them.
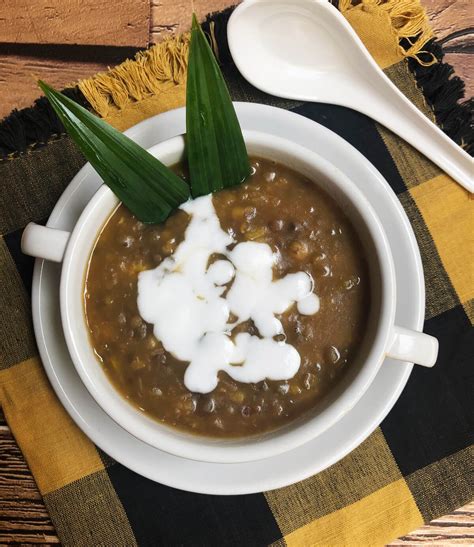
[
  {"x": 43, "y": 242},
  {"x": 414, "y": 347}
]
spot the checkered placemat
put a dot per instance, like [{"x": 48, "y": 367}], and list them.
[{"x": 414, "y": 467}]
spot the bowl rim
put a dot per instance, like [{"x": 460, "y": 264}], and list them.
[{"x": 202, "y": 448}]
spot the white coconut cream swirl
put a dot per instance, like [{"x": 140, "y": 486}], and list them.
[{"x": 183, "y": 299}]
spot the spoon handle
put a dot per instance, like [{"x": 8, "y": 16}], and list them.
[
  {"x": 387, "y": 105},
  {"x": 291, "y": 65},
  {"x": 381, "y": 100}
]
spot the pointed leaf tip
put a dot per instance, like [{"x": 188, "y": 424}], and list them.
[
  {"x": 216, "y": 151},
  {"x": 147, "y": 187}
]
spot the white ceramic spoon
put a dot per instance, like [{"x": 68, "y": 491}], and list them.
[{"x": 306, "y": 50}]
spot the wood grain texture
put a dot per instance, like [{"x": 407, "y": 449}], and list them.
[
  {"x": 464, "y": 68},
  {"x": 449, "y": 16},
  {"x": 170, "y": 17},
  {"x": 454, "y": 529},
  {"x": 91, "y": 22},
  {"x": 21, "y": 66},
  {"x": 23, "y": 516},
  {"x": 166, "y": 17}
]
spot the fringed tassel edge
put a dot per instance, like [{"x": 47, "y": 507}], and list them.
[
  {"x": 134, "y": 80},
  {"x": 409, "y": 22},
  {"x": 34, "y": 126},
  {"x": 443, "y": 91}
]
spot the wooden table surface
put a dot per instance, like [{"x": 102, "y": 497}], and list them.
[{"x": 64, "y": 40}]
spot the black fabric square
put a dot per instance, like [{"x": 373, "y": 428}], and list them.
[
  {"x": 24, "y": 263},
  {"x": 160, "y": 515},
  {"x": 360, "y": 131},
  {"x": 434, "y": 416}
]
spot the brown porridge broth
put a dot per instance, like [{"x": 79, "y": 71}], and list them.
[{"x": 309, "y": 231}]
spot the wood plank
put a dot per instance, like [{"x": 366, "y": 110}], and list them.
[
  {"x": 461, "y": 41},
  {"x": 23, "y": 516},
  {"x": 448, "y": 16},
  {"x": 107, "y": 22},
  {"x": 464, "y": 68},
  {"x": 169, "y": 17},
  {"x": 454, "y": 529},
  {"x": 59, "y": 66}
]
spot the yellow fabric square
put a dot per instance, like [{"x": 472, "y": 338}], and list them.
[
  {"x": 375, "y": 29},
  {"x": 133, "y": 113},
  {"x": 381, "y": 25},
  {"x": 154, "y": 82},
  {"x": 374, "y": 520},
  {"x": 448, "y": 211},
  {"x": 56, "y": 450},
  {"x": 367, "y": 468}
]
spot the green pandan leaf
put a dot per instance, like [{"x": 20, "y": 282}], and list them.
[
  {"x": 147, "y": 187},
  {"x": 215, "y": 146}
]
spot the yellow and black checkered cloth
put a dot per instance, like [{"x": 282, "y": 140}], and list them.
[{"x": 416, "y": 466}]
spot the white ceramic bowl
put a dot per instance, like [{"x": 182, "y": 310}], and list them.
[{"x": 382, "y": 337}]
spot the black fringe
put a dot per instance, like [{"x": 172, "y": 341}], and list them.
[
  {"x": 443, "y": 92},
  {"x": 34, "y": 126}
]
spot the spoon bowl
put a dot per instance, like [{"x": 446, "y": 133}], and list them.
[{"x": 306, "y": 50}]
